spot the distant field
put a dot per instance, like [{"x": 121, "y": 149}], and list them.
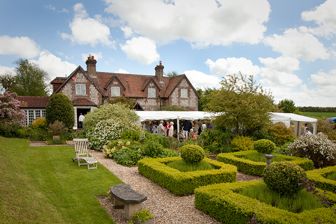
[{"x": 319, "y": 115}]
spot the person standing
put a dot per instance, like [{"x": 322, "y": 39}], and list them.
[
  {"x": 81, "y": 120},
  {"x": 171, "y": 129},
  {"x": 186, "y": 128}
]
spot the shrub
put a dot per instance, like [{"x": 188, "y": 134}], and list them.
[
  {"x": 56, "y": 128},
  {"x": 184, "y": 183},
  {"x": 115, "y": 145},
  {"x": 264, "y": 146},
  {"x": 284, "y": 177},
  {"x": 141, "y": 217},
  {"x": 242, "y": 143},
  {"x": 280, "y": 134},
  {"x": 192, "y": 153},
  {"x": 318, "y": 148},
  {"x": 248, "y": 166},
  {"x": 163, "y": 140},
  {"x": 127, "y": 156},
  {"x": 118, "y": 112},
  {"x": 37, "y": 134},
  {"x": 327, "y": 128},
  {"x": 318, "y": 176},
  {"x": 224, "y": 203},
  {"x": 131, "y": 135},
  {"x": 60, "y": 108},
  {"x": 215, "y": 140},
  {"x": 169, "y": 153},
  {"x": 152, "y": 149},
  {"x": 40, "y": 122}
]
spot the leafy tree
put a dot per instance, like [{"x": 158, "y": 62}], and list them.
[
  {"x": 244, "y": 104},
  {"x": 29, "y": 79},
  {"x": 287, "y": 106},
  {"x": 60, "y": 108},
  {"x": 7, "y": 81},
  {"x": 204, "y": 97},
  {"x": 130, "y": 103}
]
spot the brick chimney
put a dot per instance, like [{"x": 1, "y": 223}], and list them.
[
  {"x": 159, "y": 74},
  {"x": 91, "y": 66}
]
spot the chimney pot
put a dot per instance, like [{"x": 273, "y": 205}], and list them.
[{"x": 91, "y": 66}]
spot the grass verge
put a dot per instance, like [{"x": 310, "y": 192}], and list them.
[{"x": 43, "y": 185}]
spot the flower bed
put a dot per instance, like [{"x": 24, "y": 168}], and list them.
[
  {"x": 184, "y": 183},
  {"x": 320, "y": 179},
  {"x": 224, "y": 203},
  {"x": 257, "y": 168}
]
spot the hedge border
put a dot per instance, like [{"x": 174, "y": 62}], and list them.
[
  {"x": 322, "y": 182},
  {"x": 221, "y": 202},
  {"x": 257, "y": 168},
  {"x": 184, "y": 183}
]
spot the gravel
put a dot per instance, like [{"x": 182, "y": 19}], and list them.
[{"x": 166, "y": 207}]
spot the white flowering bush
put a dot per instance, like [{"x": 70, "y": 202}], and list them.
[
  {"x": 107, "y": 130},
  {"x": 318, "y": 148}
]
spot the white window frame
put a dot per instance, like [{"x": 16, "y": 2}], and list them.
[
  {"x": 184, "y": 93},
  {"x": 151, "y": 92},
  {"x": 32, "y": 114},
  {"x": 80, "y": 89},
  {"x": 113, "y": 91}
]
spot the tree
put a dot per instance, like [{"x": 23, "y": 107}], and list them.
[
  {"x": 244, "y": 104},
  {"x": 29, "y": 79},
  {"x": 172, "y": 74},
  {"x": 204, "y": 97},
  {"x": 10, "y": 112},
  {"x": 7, "y": 81},
  {"x": 60, "y": 108},
  {"x": 287, "y": 106}
]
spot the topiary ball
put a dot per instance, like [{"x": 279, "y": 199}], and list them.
[
  {"x": 192, "y": 153},
  {"x": 286, "y": 178},
  {"x": 264, "y": 146}
]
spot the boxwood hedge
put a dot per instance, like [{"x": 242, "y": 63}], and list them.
[
  {"x": 222, "y": 202},
  {"x": 257, "y": 168},
  {"x": 318, "y": 176},
  {"x": 184, "y": 183}
]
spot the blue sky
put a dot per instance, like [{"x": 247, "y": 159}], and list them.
[{"x": 289, "y": 46}]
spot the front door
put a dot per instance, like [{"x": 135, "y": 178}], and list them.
[{"x": 81, "y": 111}]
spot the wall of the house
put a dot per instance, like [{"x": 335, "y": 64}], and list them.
[
  {"x": 149, "y": 104},
  {"x": 91, "y": 92},
  {"x": 191, "y": 103}
]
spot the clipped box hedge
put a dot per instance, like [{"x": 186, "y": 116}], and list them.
[
  {"x": 221, "y": 202},
  {"x": 257, "y": 168},
  {"x": 184, "y": 183},
  {"x": 318, "y": 176}
]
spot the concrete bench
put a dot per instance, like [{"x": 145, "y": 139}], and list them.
[{"x": 124, "y": 197}]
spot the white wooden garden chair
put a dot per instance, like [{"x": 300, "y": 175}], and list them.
[{"x": 83, "y": 156}]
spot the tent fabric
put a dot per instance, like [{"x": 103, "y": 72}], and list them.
[{"x": 201, "y": 115}]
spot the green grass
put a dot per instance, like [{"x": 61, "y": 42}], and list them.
[
  {"x": 43, "y": 185},
  {"x": 319, "y": 115},
  {"x": 331, "y": 176},
  {"x": 259, "y": 157},
  {"x": 182, "y": 166},
  {"x": 302, "y": 201}
]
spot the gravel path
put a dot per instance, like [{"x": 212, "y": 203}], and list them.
[{"x": 166, "y": 207}]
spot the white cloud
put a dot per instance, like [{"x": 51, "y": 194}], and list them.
[
  {"x": 128, "y": 32},
  {"x": 202, "y": 80},
  {"x": 87, "y": 30},
  {"x": 298, "y": 43},
  {"x": 6, "y": 70},
  {"x": 141, "y": 49},
  {"x": 201, "y": 22},
  {"x": 54, "y": 9},
  {"x": 323, "y": 79},
  {"x": 54, "y": 65},
  {"x": 120, "y": 70},
  {"x": 278, "y": 72},
  {"x": 228, "y": 66},
  {"x": 19, "y": 46},
  {"x": 97, "y": 56},
  {"x": 324, "y": 16}
]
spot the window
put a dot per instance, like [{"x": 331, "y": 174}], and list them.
[
  {"x": 30, "y": 116},
  {"x": 115, "y": 91},
  {"x": 151, "y": 92},
  {"x": 38, "y": 113},
  {"x": 81, "y": 89},
  {"x": 184, "y": 93}
]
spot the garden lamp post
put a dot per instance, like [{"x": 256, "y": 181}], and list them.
[{"x": 268, "y": 159}]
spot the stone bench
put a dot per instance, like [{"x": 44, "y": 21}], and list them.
[{"x": 124, "y": 197}]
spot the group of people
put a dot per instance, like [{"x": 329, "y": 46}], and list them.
[{"x": 189, "y": 130}]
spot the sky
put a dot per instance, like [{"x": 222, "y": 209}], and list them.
[{"x": 289, "y": 46}]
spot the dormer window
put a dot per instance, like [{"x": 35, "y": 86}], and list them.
[
  {"x": 81, "y": 89},
  {"x": 151, "y": 91},
  {"x": 115, "y": 91},
  {"x": 184, "y": 93}
]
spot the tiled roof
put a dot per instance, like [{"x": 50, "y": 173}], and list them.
[
  {"x": 58, "y": 80},
  {"x": 83, "y": 102},
  {"x": 33, "y": 101}
]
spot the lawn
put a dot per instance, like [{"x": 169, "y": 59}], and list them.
[
  {"x": 319, "y": 115},
  {"x": 43, "y": 185}
]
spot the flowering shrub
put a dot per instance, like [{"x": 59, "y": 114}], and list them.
[
  {"x": 40, "y": 122},
  {"x": 242, "y": 143},
  {"x": 56, "y": 128},
  {"x": 318, "y": 148},
  {"x": 10, "y": 111},
  {"x": 113, "y": 146}
]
